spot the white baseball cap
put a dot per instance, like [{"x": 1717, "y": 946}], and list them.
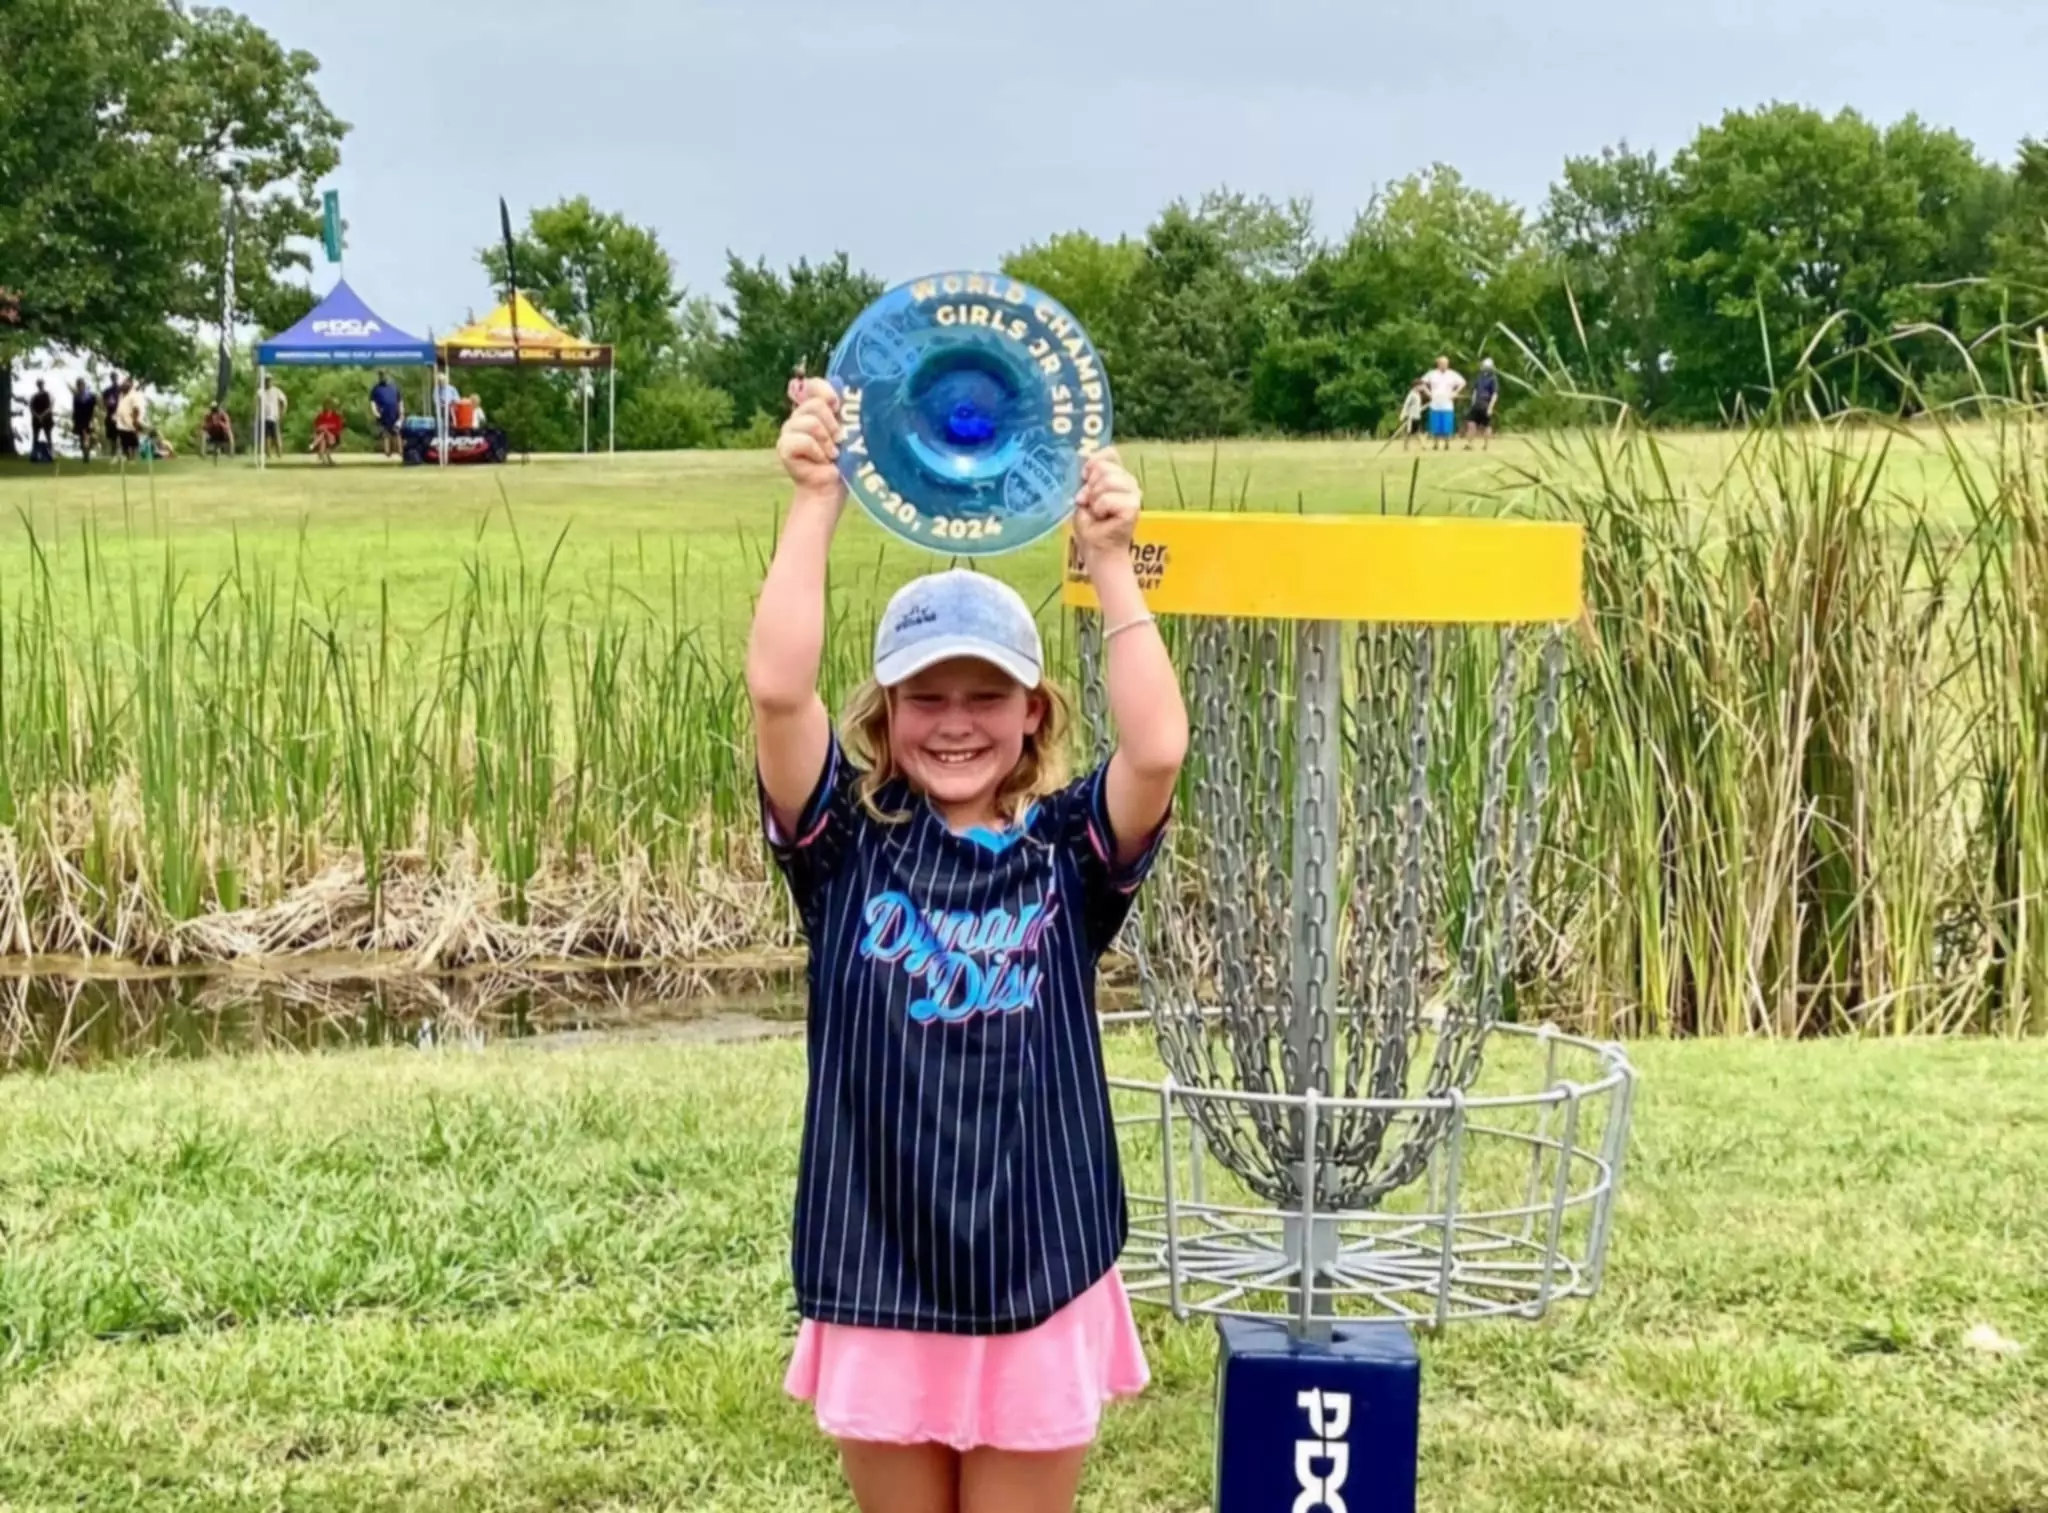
[{"x": 957, "y": 614}]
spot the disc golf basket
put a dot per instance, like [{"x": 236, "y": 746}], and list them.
[{"x": 1358, "y": 1120}]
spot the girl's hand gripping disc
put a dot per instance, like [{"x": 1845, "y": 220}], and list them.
[{"x": 970, "y": 402}]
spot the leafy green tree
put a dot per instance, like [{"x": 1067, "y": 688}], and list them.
[
  {"x": 1604, "y": 224},
  {"x": 2016, "y": 292},
  {"x": 124, "y": 125},
  {"x": 1796, "y": 236},
  {"x": 775, "y": 321},
  {"x": 1960, "y": 202},
  {"x": 1267, "y": 240},
  {"x": 254, "y": 121},
  {"x": 600, "y": 277},
  {"x": 1252, "y": 247},
  {"x": 1193, "y": 335},
  {"x": 1092, "y": 278},
  {"x": 698, "y": 334}
]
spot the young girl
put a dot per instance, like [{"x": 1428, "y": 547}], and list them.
[
  {"x": 1411, "y": 414},
  {"x": 959, "y": 1204}
]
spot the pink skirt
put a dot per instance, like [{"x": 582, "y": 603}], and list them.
[{"x": 1036, "y": 1391}]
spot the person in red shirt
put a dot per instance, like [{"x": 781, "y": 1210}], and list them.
[{"x": 327, "y": 432}]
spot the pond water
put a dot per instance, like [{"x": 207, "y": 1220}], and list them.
[{"x": 64, "y": 1021}]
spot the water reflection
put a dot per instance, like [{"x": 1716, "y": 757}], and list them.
[{"x": 50, "y": 1021}]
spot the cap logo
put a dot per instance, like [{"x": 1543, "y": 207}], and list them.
[{"x": 915, "y": 616}]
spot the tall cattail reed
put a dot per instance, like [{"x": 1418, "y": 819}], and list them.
[
  {"x": 1806, "y": 740},
  {"x": 1800, "y": 788}
]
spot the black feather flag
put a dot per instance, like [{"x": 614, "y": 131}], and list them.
[
  {"x": 512, "y": 296},
  {"x": 511, "y": 273}
]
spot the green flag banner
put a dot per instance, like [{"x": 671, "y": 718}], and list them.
[{"x": 330, "y": 229}]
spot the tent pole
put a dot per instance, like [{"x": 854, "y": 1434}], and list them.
[
  {"x": 260, "y": 460},
  {"x": 611, "y": 379},
  {"x": 585, "y": 387}
]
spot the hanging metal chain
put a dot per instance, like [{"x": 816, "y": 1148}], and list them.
[
  {"x": 1317, "y": 929},
  {"x": 1248, "y": 1021},
  {"x": 1261, "y": 837},
  {"x": 1529, "y": 823},
  {"x": 1268, "y": 932},
  {"x": 1460, "y": 1029},
  {"x": 1475, "y": 1005},
  {"x": 1383, "y": 657},
  {"x": 1268, "y": 738},
  {"x": 1217, "y": 921},
  {"x": 1389, "y": 1027},
  {"x": 1321, "y": 684},
  {"x": 1404, "y": 1002}
]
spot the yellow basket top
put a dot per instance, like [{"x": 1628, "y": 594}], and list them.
[{"x": 1395, "y": 569}]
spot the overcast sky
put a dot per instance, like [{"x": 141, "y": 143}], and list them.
[{"x": 918, "y": 135}]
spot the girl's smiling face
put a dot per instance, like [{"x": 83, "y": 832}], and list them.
[{"x": 957, "y": 730}]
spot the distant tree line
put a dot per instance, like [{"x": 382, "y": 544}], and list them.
[
  {"x": 1893, "y": 266},
  {"x": 1887, "y": 266}
]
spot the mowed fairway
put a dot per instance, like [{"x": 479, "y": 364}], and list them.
[
  {"x": 558, "y": 1279},
  {"x": 687, "y": 532}
]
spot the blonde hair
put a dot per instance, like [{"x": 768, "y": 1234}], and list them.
[{"x": 1042, "y": 767}]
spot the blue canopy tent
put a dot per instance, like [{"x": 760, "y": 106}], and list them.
[{"x": 340, "y": 332}]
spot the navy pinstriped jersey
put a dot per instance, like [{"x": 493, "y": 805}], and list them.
[{"x": 959, "y": 1169}]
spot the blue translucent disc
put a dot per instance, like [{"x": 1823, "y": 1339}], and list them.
[{"x": 970, "y": 402}]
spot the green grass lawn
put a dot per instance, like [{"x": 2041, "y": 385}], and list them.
[
  {"x": 531, "y": 1278},
  {"x": 685, "y": 528}
]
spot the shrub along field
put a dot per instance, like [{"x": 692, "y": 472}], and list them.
[
  {"x": 533, "y": 1278},
  {"x": 495, "y": 715}
]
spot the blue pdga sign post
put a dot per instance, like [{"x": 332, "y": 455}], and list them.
[{"x": 1317, "y": 1426}]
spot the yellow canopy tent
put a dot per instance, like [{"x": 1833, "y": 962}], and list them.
[{"x": 517, "y": 335}]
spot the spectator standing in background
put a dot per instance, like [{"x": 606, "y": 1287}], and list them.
[
  {"x": 1444, "y": 386},
  {"x": 42, "y": 425},
  {"x": 385, "y": 406},
  {"x": 445, "y": 395},
  {"x": 85, "y": 416},
  {"x": 110, "y": 404},
  {"x": 1485, "y": 406},
  {"x": 131, "y": 418},
  {"x": 271, "y": 405}
]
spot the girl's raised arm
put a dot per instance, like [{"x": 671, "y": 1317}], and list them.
[
  {"x": 1144, "y": 693},
  {"x": 792, "y": 728}
]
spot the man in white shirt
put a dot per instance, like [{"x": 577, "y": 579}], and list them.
[
  {"x": 131, "y": 418},
  {"x": 1444, "y": 387},
  {"x": 272, "y": 405},
  {"x": 445, "y": 395}
]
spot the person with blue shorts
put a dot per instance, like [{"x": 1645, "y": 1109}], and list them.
[{"x": 1444, "y": 385}]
